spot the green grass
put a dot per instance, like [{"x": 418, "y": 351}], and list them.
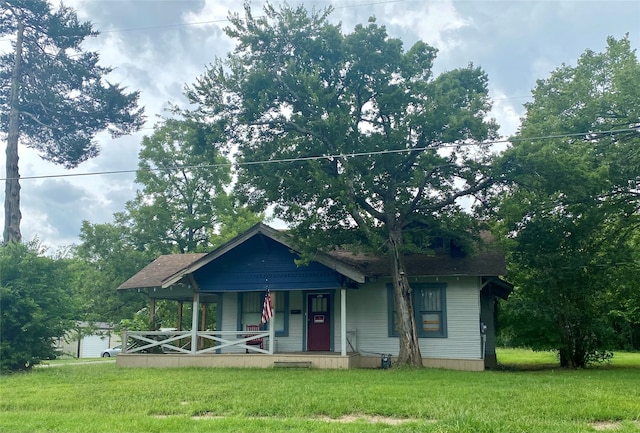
[
  {"x": 106, "y": 398},
  {"x": 525, "y": 359}
]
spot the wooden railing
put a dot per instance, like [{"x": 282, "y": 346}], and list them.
[{"x": 181, "y": 341}]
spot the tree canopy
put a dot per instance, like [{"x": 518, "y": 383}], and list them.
[
  {"x": 183, "y": 178},
  {"x": 54, "y": 95},
  {"x": 573, "y": 212},
  {"x": 350, "y": 137}
]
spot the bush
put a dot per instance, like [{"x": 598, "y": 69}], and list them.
[{"x": 36, "y": 305}]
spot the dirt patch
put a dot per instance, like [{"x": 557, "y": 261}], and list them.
[
  {"x": 605, "y": 425},
  {"x": 207, "y": 415},
  {"x": 374, "y": 419}
]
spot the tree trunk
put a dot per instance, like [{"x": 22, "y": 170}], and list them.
[
  {"x": 12, "y": 215},
  {"x": 409, "y": 348},
  {"x": 565, "y": 357}
]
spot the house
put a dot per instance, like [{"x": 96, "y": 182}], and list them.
[{"x": 335, "y": 312}]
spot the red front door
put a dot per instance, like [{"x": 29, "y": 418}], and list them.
[{"x": 318, "y": 322}]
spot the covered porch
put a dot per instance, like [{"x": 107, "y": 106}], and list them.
[
  {"x": 252, "y": 339},
  {"x": 240, "y": 273}
]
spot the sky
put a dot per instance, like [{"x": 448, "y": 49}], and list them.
[{"x": 159, "y": 46}]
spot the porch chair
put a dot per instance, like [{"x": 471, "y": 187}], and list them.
[{"x": 255, "y": 341}]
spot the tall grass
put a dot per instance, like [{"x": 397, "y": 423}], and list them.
[{"x": 106, "y": 398}]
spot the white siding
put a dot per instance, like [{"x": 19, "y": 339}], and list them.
[
  {"x": 293, "y": 343},
  {"x": 367, "y": 321},
  {"x": 463, "y": 322},
  {"x": 368, "y": 315},
  {"x": 229, "y": 320}
]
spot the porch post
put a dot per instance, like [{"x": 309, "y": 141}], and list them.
[
  {"x": 343, "y": 321},
  {"x": 272, "y": 325},
  {"x": 194, "y": 322}
]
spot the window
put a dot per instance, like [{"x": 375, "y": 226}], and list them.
[
  {"x": 429, "y": 307},
  {"x": 428, "y": 303},
  {"x": 250, "y": 310}
]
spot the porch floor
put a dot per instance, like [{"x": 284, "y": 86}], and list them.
[{"x": 332, "y": 360}]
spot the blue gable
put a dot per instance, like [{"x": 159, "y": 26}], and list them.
[{"x": 260, "y": 263}]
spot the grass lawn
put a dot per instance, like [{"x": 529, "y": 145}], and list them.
[{"x": 105, "y": 398}]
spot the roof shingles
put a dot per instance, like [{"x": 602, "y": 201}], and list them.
[
  {"x": 159, "y": 270},
  {"x": 488, "y": 260}
]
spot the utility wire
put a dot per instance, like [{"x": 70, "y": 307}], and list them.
[{"x": 340, "y": 155}]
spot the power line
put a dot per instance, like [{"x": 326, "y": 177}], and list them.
[{"x": 319, "y": 157}]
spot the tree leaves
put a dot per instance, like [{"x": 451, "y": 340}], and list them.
[
  {"x": 36, "y": 305},
  {"x": 574, "y": 198},
  {"x": 63, "y": 100}
]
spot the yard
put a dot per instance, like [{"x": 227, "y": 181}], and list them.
[{"x": 542, "y": 398}]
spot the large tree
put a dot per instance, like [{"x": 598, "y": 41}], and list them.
[
  {"x": 53, "y": 94},
  {"x": 183, "y": 206},
  {"x": 183, "y": 200},
  {"x": 573, "y": 213},
  {"x": 179, "y": 195},
  {"x": 349, "y": 136}
]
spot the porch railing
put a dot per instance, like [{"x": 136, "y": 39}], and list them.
[{"x": 181, "y": 341}]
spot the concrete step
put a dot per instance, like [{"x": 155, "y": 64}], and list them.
[{"x": 292, "y": 364}]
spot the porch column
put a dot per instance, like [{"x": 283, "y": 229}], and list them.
[
  {"x": 194, "y": 322},
  {"x": 272, "y": 325},
  {"x": 343, "y": 321}
]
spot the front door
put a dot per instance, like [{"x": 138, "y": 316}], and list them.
[{"x": 318, "y": 322}]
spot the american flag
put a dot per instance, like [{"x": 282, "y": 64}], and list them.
[{"x": 267, "y": 310}]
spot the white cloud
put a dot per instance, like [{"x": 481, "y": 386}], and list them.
[
  {"x": 506, "y": 110},
  {"x": 216, "y": 11},
  {"x": 436, "y": 23}
]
